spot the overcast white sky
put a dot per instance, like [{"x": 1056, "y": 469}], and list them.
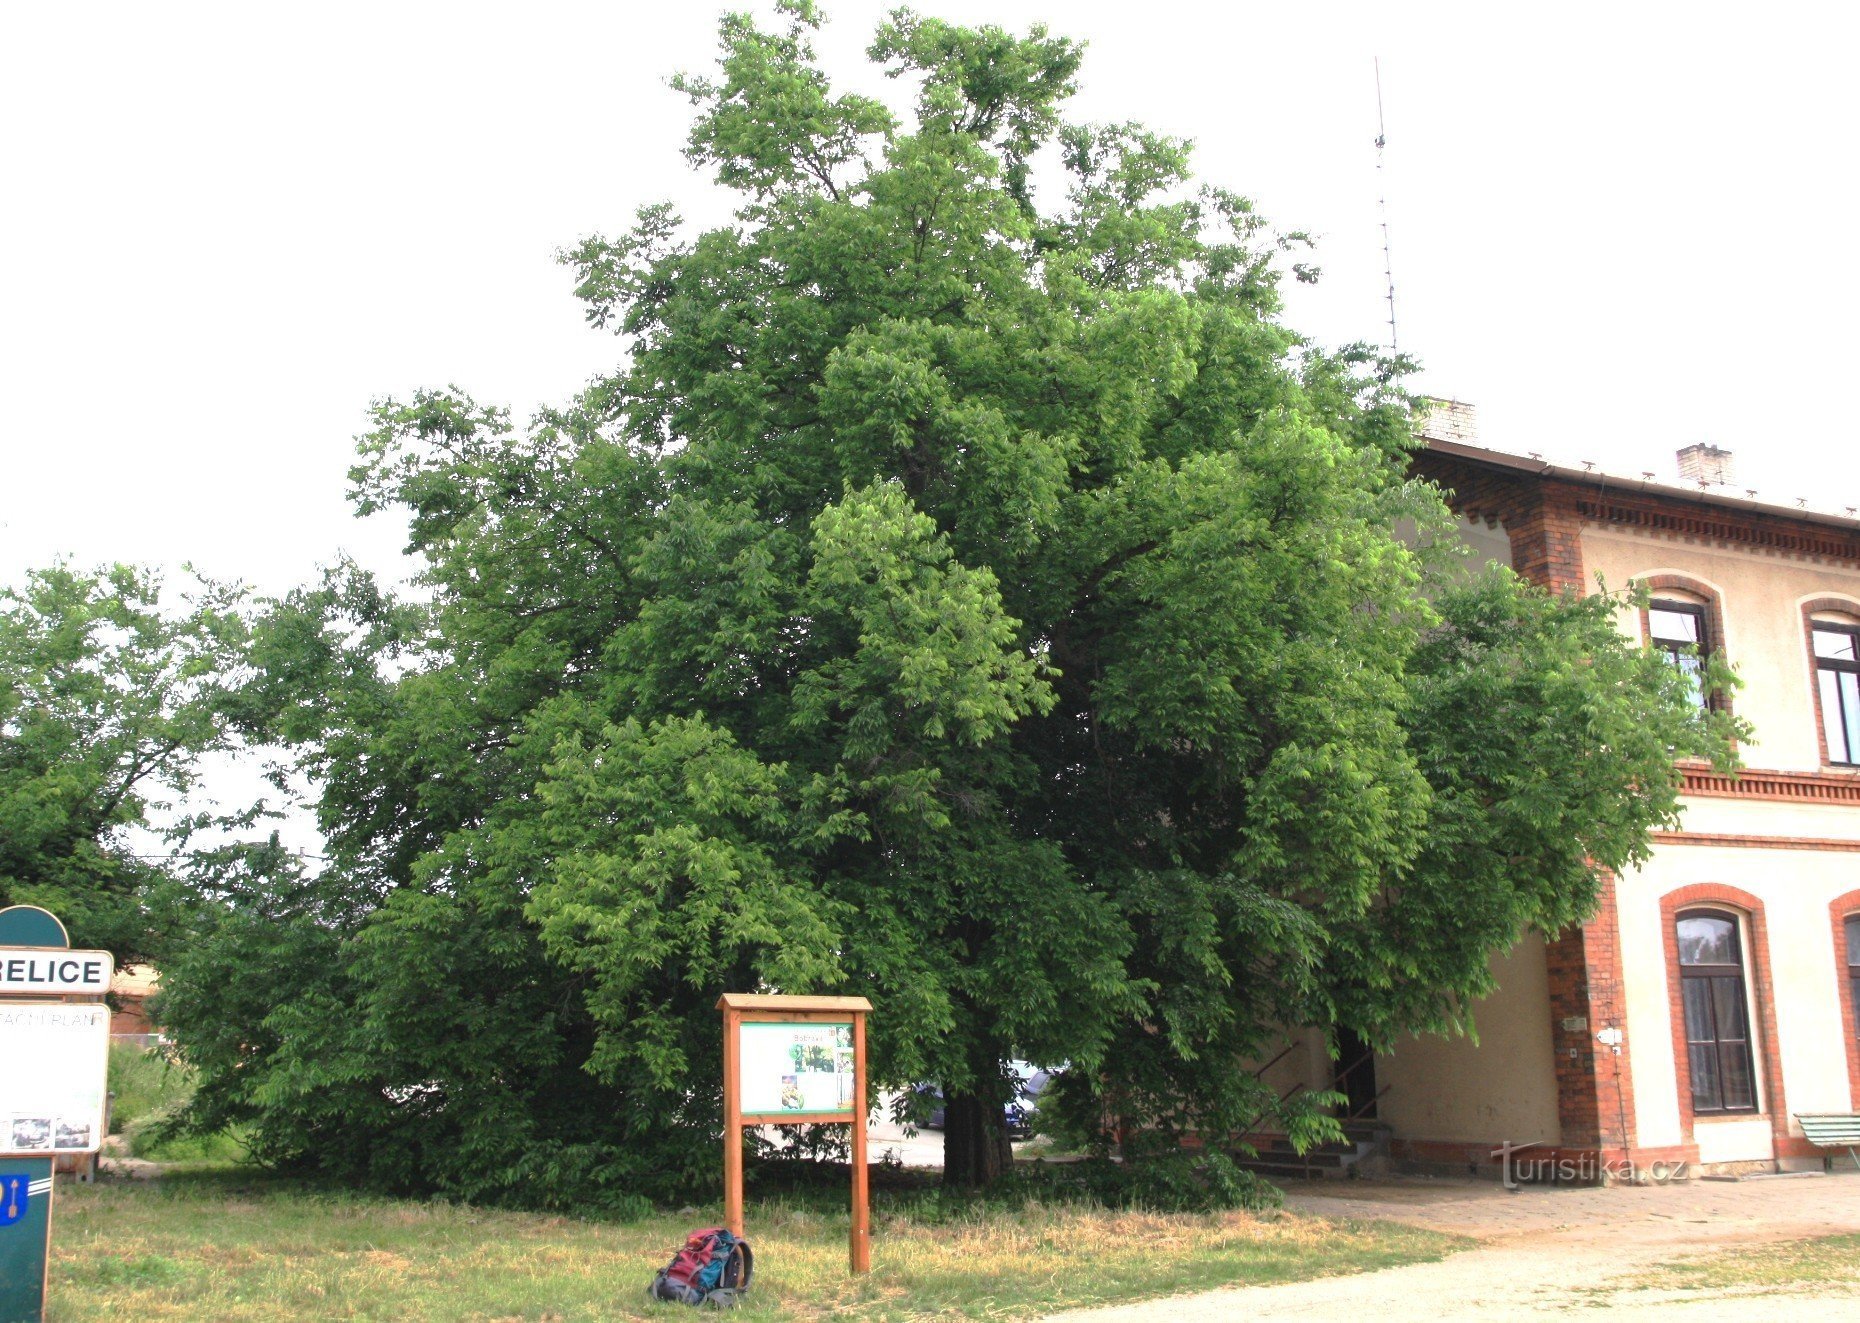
[{"x": 224, "y": 229}]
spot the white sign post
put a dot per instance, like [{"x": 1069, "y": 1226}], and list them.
[{"x": 54, "y": 1072}]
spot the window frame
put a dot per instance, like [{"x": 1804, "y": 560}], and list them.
[
  {"x": 1850, "y": 940},
  {"x": 1713, "y": 976},
  {"x": 1702, "y": 648},
  {"x": 1837, "y": 666},
  {"x": 1671, "y": 590},
  {"x": 1841, "y": 910}
]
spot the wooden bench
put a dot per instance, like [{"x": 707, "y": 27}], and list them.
[{"x": 1831, "y": 1130}]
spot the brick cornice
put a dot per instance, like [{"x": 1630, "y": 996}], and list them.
[
  {"x": 1491, "y": 489},
  {"x": 1807, "y": 787},
  {"x": 1747, "y": 530},
  {"x": 1824, "y": 843}
]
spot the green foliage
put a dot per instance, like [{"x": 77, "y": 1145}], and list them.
[
  {"x": 967, "y": 593},
  {"x": 149, "y": 1093},
  {"x": 108, "y": 700},
  {"x": 1161, "y": 1181},
  {"x": 144, "y": 1083},
  {"x": 1200, "y": 1181}
]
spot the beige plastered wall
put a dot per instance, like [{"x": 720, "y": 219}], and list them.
[
  {"x": 1761, "y": 598},
  {"x": 1795, "y": 887},
  {"x": 1503, "y": 1087}
]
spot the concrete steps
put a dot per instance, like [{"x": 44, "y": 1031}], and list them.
[{"x": 1365, "y": 1146}]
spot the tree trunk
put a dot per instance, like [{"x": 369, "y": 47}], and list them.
[{"x": 976, "y": 1150}]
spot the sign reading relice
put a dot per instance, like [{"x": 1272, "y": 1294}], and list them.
[
  {"x": 38, "y": 969},
  {"x": 55, "y": 1058}
]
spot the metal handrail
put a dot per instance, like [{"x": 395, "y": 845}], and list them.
[
  {"x": 1380, "y": 1095},
  {"x": 1242, "y": 1135}
]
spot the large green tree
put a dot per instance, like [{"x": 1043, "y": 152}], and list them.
[
  {"x": 109, "y": 699},
  {"x": 968, "y": 592}
]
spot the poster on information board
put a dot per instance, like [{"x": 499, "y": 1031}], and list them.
[
  {"x": 53, "y": 1086},
  {"x": 796, "y": 1069}
]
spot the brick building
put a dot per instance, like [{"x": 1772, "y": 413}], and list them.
[{"x": 1727, "y": 968}]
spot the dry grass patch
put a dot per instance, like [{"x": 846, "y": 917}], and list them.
[
  {"x": 213, "y": 1248},
  {"x": 1827, "y": 1267}
]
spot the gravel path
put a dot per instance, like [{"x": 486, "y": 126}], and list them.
[{"x": 1542, "y": 1252}]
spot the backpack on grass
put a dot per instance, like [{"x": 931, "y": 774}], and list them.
[{"x": 712, "y": 1269}]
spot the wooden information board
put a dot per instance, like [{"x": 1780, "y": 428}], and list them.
[{"x": 795, "y": 1061}]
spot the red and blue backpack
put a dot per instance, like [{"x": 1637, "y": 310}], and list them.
[{"x": 713, "y": 1268}]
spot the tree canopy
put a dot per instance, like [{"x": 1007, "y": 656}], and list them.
[
  {"x": 108, "y": 702},
  {"x": 967, "y": 592}
]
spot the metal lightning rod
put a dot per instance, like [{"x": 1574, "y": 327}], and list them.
[{"x": 1382, "y": 203}]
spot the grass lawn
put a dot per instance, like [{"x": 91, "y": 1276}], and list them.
[
  {"x": 1829, "y": 1267},
  {"x": 234, "y": 1246}
]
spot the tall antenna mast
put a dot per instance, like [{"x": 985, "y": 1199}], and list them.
[{"x": 1382, "y": 202}]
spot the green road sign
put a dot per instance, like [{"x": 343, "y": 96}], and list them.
[{"x": 25, "y": 1237}]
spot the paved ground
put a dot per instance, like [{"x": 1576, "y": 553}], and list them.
[
  {"x": 1542, "y": 1252},
  {"x": 923, "y": 1149}
]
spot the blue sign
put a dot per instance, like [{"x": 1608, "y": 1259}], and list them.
[{"x": 25, "y": 1236}]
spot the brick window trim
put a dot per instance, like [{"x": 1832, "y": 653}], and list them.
[
  {"x": 1844, "y": 606},
  {"x": 1713, "y": 602},
  {"x": 1840, "y": 909},
  {"x": 1757, "y": 987}
]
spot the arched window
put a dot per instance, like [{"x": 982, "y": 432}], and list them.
[
  {"x": 1711, "y": 986},
  {"x": 1836, "y": 642},
  {"x": 1682, "y": 623},
  {"x": 1853, "y": 968}
]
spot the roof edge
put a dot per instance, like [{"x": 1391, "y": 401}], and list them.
[{"x": 1602, "y": 481}]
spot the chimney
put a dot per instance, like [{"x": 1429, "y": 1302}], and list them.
[
  {"x": 1448, "y": 420},
  {"x": 1707, "y": 465}
]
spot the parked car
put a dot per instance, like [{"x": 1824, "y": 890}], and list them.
[{"x": 1021, "y": 1110}]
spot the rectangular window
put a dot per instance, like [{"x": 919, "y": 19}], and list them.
[
  {"x": 1837, "y": 674},
  {"x": 1711, "y": 993},
  {"x": 1678, "y": 630},
  {"x": 1852, "y": 930}
]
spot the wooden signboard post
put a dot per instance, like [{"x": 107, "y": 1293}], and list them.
[
  {"x": 54, "y": 1065},
  {"x": 794, "y": 1061}
]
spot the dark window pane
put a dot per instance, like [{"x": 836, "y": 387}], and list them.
[
  {"x": 1850, "y": 714},
  {"x": 1711, "y": 989},
  {"x": 1832, "y": 724},
  {"x": 1853, "y": 939},
  {"x": 1727, "y": 995},
  {"x": 1670, "y": 625},
  {"x": 1705, "y": 939},
  {"x": 1697, "y": 995},
  {"x": 1706, "y": 1095},
  {"x": 1739, "y": 1090},
  {"x": 1838, "y": 644}
]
